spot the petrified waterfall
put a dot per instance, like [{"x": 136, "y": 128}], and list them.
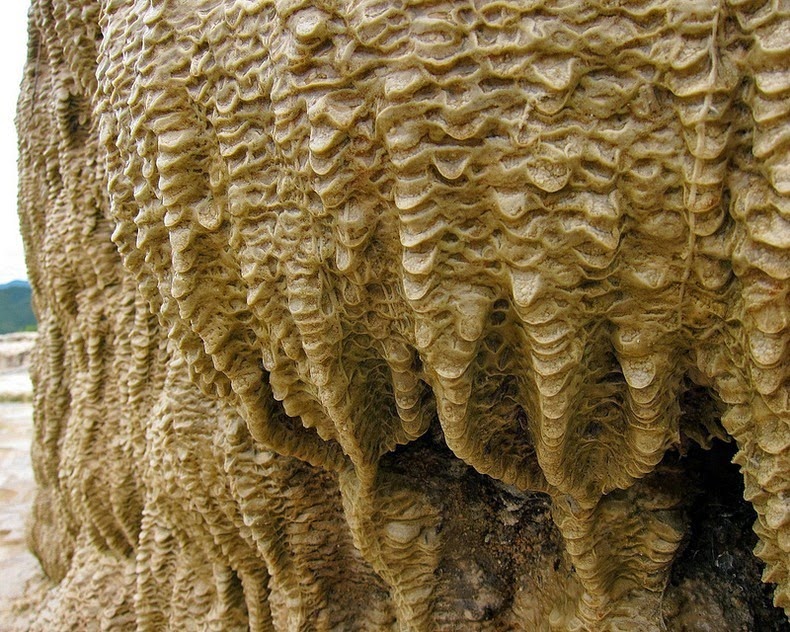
[{"x": 416, "y": 315}]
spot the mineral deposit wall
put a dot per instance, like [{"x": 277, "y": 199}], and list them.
[{"x": 371, "y": 315}]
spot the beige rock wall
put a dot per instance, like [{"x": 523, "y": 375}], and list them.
[{"x": 325, "y": 287}]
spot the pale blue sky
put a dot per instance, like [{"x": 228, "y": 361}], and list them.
[{"x": 13, "y": 46}]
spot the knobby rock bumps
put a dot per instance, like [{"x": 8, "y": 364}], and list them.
[{"x": 299, "y": 265}]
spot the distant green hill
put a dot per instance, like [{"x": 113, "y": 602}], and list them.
[{"x": 15, "y": 311}]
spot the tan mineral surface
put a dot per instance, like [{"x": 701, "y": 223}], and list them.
[{"x": 410, "y": 314}]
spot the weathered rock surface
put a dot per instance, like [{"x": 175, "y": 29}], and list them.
[{"x": 368, "y": 315}]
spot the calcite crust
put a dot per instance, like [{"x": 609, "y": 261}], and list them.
[{"x": 279, "y": 249}]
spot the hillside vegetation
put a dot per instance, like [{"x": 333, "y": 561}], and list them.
[{"x": 16, "y": 313}]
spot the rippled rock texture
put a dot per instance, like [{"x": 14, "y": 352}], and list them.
[{"x": 371, "y": 315}]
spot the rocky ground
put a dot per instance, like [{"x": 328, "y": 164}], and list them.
[
  {"x": 15, "y": 350},
  {"x": 21, "y": 574}
]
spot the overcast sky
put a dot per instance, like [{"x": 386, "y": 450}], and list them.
[{"x": 13, "y": 44}]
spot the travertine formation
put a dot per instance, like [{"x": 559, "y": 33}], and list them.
[{"x": 284, "y": 252}]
